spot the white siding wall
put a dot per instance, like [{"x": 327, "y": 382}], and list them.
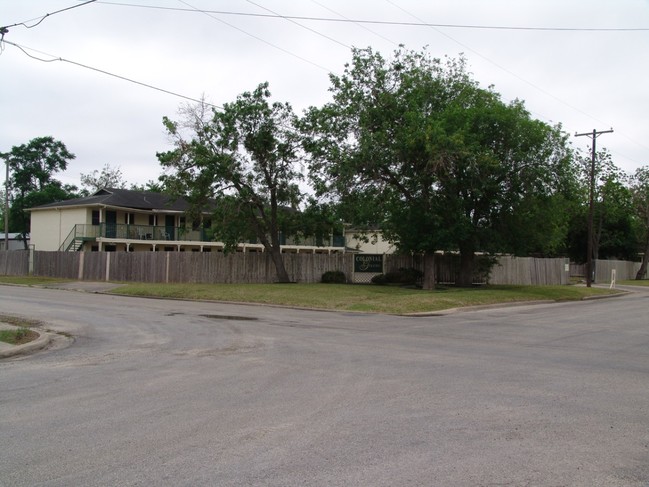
[
  {"x": 49, "y": 228},
  {"x": 375, "y": 244}
]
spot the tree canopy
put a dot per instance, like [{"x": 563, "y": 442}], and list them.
[
  {"x": 440, "y": 163},
  {"x": 32, "y": 167},
  {"x": 108, "y": 177},
  {"x": 640, "y": 201},
  {"x": 615, "y": 230},
  {"x": 243, "y": 161}
]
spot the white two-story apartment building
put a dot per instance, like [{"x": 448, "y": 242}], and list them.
[{"x": 127, "y": 220}]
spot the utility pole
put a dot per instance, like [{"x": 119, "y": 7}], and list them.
[{"x": 591, "y": 204}]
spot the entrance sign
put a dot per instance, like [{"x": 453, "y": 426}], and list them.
[{"x": 368, "y": 263}]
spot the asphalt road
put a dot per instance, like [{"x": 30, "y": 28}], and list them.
[{"x": 175, "y": 393}]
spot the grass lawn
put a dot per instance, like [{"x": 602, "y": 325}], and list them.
[
  {"x": 30, "y": 280},
  {"x": 18, "y": 336},
  {"x": 343, "y": 297},
  {"x": 366, "y": 298}
]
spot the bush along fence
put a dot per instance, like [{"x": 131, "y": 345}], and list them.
[{"x": 204, "y": 267}]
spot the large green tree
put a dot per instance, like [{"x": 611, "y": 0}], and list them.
[
  {"x": 640, "y": 192},
  {"x": 31, "y": 183},
  {"x": 244, "y": 162},
  {"x": 437, "y": 161}
]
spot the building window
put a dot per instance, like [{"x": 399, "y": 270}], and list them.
[
  {"x": 151, "y": 219},
  {"x": 95, "y": 217},
  {"x": 129, "y": 218}
]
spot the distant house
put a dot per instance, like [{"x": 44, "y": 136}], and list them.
[
  {"x": 127, "y": 220},
  {"x": 15, "y": 241}
]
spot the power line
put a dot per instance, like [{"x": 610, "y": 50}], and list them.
[
  {"x": 107, "y": 73},
  {"x": 538, "y": 88},
  {"x": 387, "y": 22},
  {"x": 3, "y": 29},
  {"x": 300, "y": 25},
  {"x": 491, "y": 61},
  {"x": 123, "y": 78},
  {"x": 209, "y": 14},
  {"x": 361, "y": 25}
]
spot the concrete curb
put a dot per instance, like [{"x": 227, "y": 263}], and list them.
[
  {"x": 450, "y": 311},
  {"x": 43, "y": 340}
]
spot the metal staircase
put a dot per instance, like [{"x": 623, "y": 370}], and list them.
[{"x": 79, "y": 234}]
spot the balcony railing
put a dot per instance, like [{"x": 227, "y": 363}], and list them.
[
  {"x": 84, "y": 233},
  {"x": 152, "y": 232}
]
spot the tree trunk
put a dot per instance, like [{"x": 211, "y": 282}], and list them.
[
  {"x": 465, "y": 276},
  {"x": 642, "y": 272},
  {"x": 276, "y": 256},
  {"x": 429, "y": 271}
]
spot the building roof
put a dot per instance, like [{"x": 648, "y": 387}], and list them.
[{"x": 123, "y": 198}]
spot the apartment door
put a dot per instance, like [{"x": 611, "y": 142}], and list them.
[
  {"x": 111, "y": 224},
  {"x": 170, "y": 227}
]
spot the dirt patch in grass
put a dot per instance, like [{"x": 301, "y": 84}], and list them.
[{"x": 19, "y": 321}]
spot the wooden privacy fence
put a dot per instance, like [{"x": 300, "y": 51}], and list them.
[
  {"x": 14, "y": 262},
  {"x": 189, "y": 267},
  {"x": 530, "y": 271},
  {"x": 623, "y": 270},
  {"x": 506, "y": 270},
  {"x": 212, "y": 267}
]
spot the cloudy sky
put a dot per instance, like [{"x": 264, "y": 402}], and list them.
[{"x": 583, "y": 63}]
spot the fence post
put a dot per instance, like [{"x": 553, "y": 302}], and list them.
[
  {"x": 31, "y": 260},
  {"x": 566, "y": 273},
  {"x": 107, "y": 266},
  {"x": 167, "y": 268},
  {"x": 81, "y": 261}
]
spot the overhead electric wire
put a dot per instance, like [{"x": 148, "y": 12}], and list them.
[
  {"x": 491, "y": 61},
  {"x": 388, "y": 22},
  {"x": 108, "y": 73},
  {"x": 209, "y": 14},
  {"x": 578, "y": 110},
  {"x": 300, "y": 25},
  {"x": 42, "y": 18},
  {"x": 361, "y": 25}
]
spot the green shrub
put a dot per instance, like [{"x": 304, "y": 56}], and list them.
[
  {"x": 379, "y": 279},
  {"x": 403, "y": 276},
  {"x": 334, "y": 277}
]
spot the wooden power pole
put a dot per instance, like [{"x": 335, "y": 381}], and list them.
[{"x": 591, "y": 204}]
